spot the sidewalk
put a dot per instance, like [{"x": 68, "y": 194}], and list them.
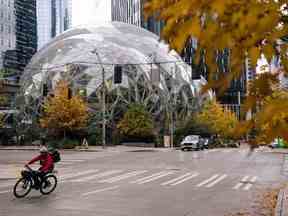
[
  {"x": 282, "y": 203},
  {"x": 119, "y": 148}
]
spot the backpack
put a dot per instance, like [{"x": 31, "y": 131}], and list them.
[{"x": 56, "y": 156}]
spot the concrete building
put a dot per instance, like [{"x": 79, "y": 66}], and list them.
[{"x": 53, "y": 18}]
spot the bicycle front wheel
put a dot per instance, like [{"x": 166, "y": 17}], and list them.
[
  {"x": 22, "y": 187},
  {"x": 48, "y": 184}
]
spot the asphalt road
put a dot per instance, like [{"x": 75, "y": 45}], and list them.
[{"x": 147, "y": 183}]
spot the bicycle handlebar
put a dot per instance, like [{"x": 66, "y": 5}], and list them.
[{"x": 28, "y": 167}]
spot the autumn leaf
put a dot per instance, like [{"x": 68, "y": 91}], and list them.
[{"x": 62, "y": 113}]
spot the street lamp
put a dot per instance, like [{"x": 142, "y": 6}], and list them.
[{"x": 103, "y": 99}]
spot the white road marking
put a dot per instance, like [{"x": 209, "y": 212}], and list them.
[
  {"x": 73, "y": 175},
  {"x": 72, "y": 160},
  {"x": 208, "y": 180},
  {"x": 8, "y": 185},
  {"x": 216, "y": 181},
  {"x": 176, "y": 179},
  {"x": 99, "y": 175},
  {"x": 3, "y": 192},
  {"x": 155, "y": 178},
  {"x": 123, "y": 176},
  {"x": 100, "y": 190},
  {"x": 227, "y": 151},
  {"x": 147, "y": 177},
  {"x": 249, "y": 185},
  {"x": 213, "y": 150},
  {"x": 244, "y": 179},
  {"x": 64, "y": 163},
  {"x": 185, "y": 179}
]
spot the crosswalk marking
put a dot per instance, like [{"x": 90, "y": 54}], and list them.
[
  {"x": 245, "y": 183},
  {"x": 216, "y": 181},
  {"x": 185, "y": 179},
  {"x": 7, "y": 185},
  {"x": 100, "y": 190},
  {"x": 208, "y": 180},
  {"x": 3, "y": 192},
  {"x": 155, "y": 178},
  {"x": 147, "y": 177},
  {"x": 249, "y": 185},
  {"x": 72, "y": 160},
  {"x": 73, "y": 175},
  {"x": 123, "y": 176},
  {"x": 244, "y": 179},
  {"x": 99, "y": 175},
  {"x": 176, "y": 179}
]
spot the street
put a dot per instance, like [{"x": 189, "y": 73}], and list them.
[{"x": 133, "y": 182}]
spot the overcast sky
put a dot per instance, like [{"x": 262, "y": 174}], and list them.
[{"x": 92, "y": 11}]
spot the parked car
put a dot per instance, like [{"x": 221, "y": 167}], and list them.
[
  {"x": 192, "y": 142},
  {"x": 205, "y": 142},
  {"x": 273, "y": 144}
]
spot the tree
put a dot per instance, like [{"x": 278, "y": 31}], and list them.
[
  {"x": 218, "y": 120},
  {"x": 248, "y": 29},
  {"x": 63, "y": 114},
  {"x": 2, "y": 101},
  {"x": 136, "y": 123}
]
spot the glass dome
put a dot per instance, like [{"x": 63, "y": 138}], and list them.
[{"x": 81, "y": 54}]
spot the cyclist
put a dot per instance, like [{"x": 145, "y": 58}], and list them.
[{"x": 47, "y": 165}]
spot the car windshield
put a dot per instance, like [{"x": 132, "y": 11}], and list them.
[{"x": 192, "y": 137}]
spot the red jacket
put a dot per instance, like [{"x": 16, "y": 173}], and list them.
[{"x": 46, "y": 162}]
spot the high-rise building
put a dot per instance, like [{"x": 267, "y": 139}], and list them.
[
  {"x": 7, "y": 28},
  {"x": 131, "y": 11},
  {"x": 53, "y": 18},
  {"x": 18, "y": 33},
  {"x": 128, "y": 11}
]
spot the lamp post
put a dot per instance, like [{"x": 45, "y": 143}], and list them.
[{"x": 103, "y": 100}]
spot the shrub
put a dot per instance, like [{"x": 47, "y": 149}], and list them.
[
  {"x": 63, "y": 144},
  {"x": 136, "y": 125}
]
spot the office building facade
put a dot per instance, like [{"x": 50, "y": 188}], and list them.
[
  {"x": 18, "y": 34},
  {"x": 53, "y": 18},
  {"x": 7, "y": 28}
]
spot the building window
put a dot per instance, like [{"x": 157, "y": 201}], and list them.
[
  {"x": 2, "y": 28},
  {"x": 2, "y": 14},
  {"x": 9, "y": 43},
  {"x": 9, "y": 16},
  {"x": 9, "y": 29}
]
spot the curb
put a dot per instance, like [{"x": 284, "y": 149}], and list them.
[
  {"x": 18, "y": 149},
  {"x": 86, "y": 150},
  {"x": 282, "y": 203},
  {"x": 281, "y": 208},
  {"x": 37, "y": 149}
]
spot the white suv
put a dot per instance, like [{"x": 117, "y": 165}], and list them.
[{"x": 191, "y": 142}]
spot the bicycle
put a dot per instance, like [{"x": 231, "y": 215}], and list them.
[{"x": 27, "y": 182}]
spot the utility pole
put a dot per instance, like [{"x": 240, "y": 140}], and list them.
[
  {"x": 103, "y": 109},
  {"x": 103, "y": 100}
]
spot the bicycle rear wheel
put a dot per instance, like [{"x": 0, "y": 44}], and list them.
[
  {"x": 48, "y": 184},
  {"x": 22, "y": 187}
]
